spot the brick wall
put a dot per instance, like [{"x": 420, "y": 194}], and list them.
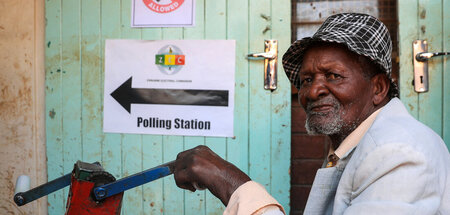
[{"x": 307, "y": 154}]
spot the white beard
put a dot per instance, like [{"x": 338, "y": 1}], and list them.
[{"x": 315, "y": 120}]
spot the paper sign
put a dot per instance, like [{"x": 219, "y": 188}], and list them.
[
  {"x": 162, "y": 13},
  {"x": 169, "y": 87}
]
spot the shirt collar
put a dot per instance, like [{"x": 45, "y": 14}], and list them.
[{"x": 352, "y": 140}]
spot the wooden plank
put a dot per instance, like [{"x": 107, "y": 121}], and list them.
[
  {"x": 112, "y": 145},
  {"x": 131, "y": 143},
  {"x": 197, "y": 32},
  {"x": 131, "y": 164},
  {"x": 71, "y": 84},
  {"x": 408, "y": 32},
  {"x": 446, "y": 73},
  {"x": 91, "y": 76},
  {"x": 152, "y": 150},
  {"x": 53, "y": 105},
  {"x": 238, "y": 30},
  {"x": 430, "y": 103},
  {"x": 112, "y": 154},
  {"x": 172, "y": 33},
  {"x": 173, "y": 196},
  {"x": 281, "y": 109},
  {"x": 215, "y": 28},
  {"x": 194, "y": 202},
  {"x": 260, "y": 99},
  {"x": 127, "y": 32}
]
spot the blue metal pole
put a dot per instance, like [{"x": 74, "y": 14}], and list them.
[
  {"x": 23, "y": 198},
  {"x": 133, "y": 181}
]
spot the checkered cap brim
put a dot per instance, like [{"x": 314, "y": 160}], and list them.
[{"x": 360, "y": 33}]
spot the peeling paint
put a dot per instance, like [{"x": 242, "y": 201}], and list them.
[
  {"x": 265, "y": 17},
  {"x": 52, "y": 113},
  {"x": 423, "y": 14},
  {"x": 266, "y": 29},
  {"x": 278, "y": 108}
]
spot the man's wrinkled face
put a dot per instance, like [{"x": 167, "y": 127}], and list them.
[{"x": 334, "y": 92}]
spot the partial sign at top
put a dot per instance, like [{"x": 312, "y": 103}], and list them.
[{"x": 163, "y": 13}]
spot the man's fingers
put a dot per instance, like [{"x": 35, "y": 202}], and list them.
[
  {"x": 183, "y": 154},
  {"x": 183, "y": 180},
  {"x": 187, "y": 186},
  {"x": 197, "y": 186}
]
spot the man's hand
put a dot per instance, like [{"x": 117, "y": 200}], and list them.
[{"x": 201, "y": 167}]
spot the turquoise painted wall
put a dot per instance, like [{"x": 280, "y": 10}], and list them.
[
  {"x": 426, "y": 20},
  {"x": 76, "y": 31}
]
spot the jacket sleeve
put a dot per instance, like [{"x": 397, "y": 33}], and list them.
[
  {"x": 252, "y": 198},
  {"x": 395, "y": 179}
]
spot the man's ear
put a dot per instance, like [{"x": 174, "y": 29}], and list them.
[{"x": 381, "y": 84}]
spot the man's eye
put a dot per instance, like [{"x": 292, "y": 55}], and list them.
[
  {"x": 306, "y": 80},
  {"x": 333, "y": 76}
]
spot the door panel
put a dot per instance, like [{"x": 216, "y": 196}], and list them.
[
  {"x": 426, "y": 20},
  {"x": 75, "y": 37},
  {"x": 53, "y": 76},
  {"x": 281, "y": 109}
]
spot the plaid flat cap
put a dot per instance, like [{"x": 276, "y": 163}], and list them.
[{"x": 360, "y": 33}]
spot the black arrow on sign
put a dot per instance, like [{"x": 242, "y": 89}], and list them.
[{"x": 126, "y": 96}]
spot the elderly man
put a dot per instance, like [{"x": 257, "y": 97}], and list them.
[{"x": 381, "y": 159}]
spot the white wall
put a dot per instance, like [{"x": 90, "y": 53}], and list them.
[{"x": 22, "y": 107}]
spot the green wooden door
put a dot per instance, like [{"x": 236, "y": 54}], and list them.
[
  {"x": 426, "y": 20},
  {"x": 76, "y": 31}
]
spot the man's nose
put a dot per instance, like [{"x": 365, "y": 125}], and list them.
[{"x": 318, "y": 89}]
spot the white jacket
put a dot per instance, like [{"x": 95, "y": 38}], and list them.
[{"x": 400, "y": 167}]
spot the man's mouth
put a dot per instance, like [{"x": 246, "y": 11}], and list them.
[
  {"x": 322, "y": 108},
  {"x": 322, "y": 116}
]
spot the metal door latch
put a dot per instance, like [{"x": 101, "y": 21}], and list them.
[
  {"x": 420, "y": 62},
  {"x": 424, "y": 56},
  {"x": 270, "y": 57}
]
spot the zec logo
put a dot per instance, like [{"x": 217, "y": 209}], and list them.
[
  {"x": 169, "y": 59},
  {"x": 163, "y": 6}
]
